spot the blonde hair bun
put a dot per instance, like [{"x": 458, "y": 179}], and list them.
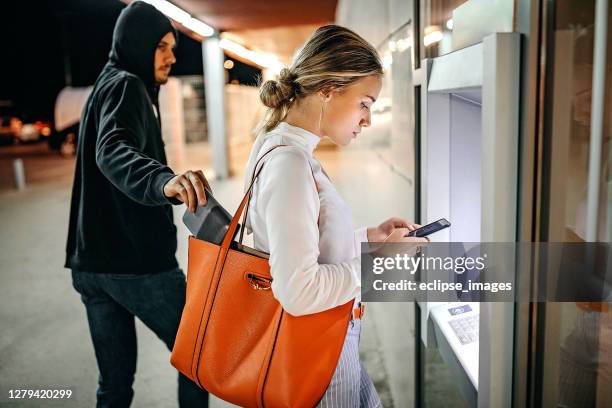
[{"x": 275, "y": 94}]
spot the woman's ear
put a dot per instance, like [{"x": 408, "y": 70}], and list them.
[{"x": 325, "y": 94}]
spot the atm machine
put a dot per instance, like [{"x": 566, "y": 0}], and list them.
[{"x": 467, "y": 125}]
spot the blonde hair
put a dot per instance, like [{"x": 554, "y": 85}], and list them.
[{"x": 333, "y": 58}]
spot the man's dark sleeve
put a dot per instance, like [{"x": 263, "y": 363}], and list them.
[{"x": 118, "y": 155}]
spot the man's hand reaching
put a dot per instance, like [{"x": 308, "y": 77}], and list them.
[{"x": 188, "y": 188}]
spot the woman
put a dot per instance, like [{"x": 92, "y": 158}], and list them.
[{"x": 295, "y": 213}]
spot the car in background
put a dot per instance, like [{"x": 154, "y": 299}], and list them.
[
  {"x": 69, "y": 105},
  {"x": 14, "y": 130},
  {"x": 28, "y": 133},
  {"x": 10, "y": 129},
  {"x": 35, "y": 131}
]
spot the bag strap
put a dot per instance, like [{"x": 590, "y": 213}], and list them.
[
  {"x": 229, "y": 235},
  {"x": 250, "y": 190},
  {"x": 243, "y": 208}
]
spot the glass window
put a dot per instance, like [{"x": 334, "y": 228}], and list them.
[
  {"x": 577, "y": 362},
  {"x": 391, "y": 135},
  {"x": 436, "y": 26},
  {"x": 439, "y": 385}
]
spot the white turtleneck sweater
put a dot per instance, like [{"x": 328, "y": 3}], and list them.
[{"x": 314, "y": 250}]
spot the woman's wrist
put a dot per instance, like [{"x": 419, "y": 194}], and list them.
[{"x": 376, "y": 235}]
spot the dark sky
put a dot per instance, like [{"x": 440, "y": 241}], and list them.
[{"x": 43, "y": 34}]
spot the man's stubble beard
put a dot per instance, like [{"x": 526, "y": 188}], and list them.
[{"x": 162, "y": 81}]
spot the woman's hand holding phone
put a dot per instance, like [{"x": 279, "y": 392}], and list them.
[
  {"x": 394, "y": 230},
  {"x": 399, "y": 236}
]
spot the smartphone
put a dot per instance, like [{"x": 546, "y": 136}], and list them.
[{"x": 430, "y": 228}]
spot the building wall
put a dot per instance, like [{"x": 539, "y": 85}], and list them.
[{"x": 244, "y": 111}]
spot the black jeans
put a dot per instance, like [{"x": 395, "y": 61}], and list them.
[{"x": 112, "y": 301}]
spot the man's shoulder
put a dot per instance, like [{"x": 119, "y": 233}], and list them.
[{"x": 121, "y": 81}]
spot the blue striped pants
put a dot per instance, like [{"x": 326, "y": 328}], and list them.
[{"x": 350, "y": 385}]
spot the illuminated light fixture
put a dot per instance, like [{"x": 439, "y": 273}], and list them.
[
  {"x": 170, "y": 10},
  {"x": 199, "y": 27},
  {"x": 228, "y": 64},
  {"x": 387, "y": 61},
  {"x": 433, "y": 34},
  {"x": 449, "y": 24},
  {"x": 403, "y": 44},
  {"x": 182, "y": 17},
  {"x": 392, "y": 46},
  {"x": 263, "y": 60}
]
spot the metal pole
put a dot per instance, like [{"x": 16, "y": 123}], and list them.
[
  {"x": 597, "y": 117},
  {"x": 19, "y": 172},
  {"x": 214, "y": 90}
]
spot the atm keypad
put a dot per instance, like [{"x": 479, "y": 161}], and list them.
[{"x": 466, "y": 328}]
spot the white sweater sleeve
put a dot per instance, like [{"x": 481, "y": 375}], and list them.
[
  {"x": 289, "y": 204},
  {"x": 361, "y": 235}
]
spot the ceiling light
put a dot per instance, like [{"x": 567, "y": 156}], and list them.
[
  {"x": 170, "y": 10},
  {"x": 263, "y": 60},
  {"x": 449, "y": 24},
  {"x": 433, "y": 34},
  {"x": 387, "y": 61},
  {"x": 199, "y": 27},
  {"x": 404, "y": 43},
  {"x": 182, "y": 17}
]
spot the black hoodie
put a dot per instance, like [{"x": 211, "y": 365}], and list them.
[{"x": 120, "y": 220}]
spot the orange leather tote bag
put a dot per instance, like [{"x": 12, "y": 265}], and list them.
[{"x": 236, "y": 341}]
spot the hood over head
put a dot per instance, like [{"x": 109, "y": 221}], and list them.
[{"x": 138, "y": 30}]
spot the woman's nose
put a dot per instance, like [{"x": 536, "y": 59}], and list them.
[{"x": 367, "y": 121}]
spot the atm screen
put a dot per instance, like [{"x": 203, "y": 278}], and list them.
[{"x": 457, "y": 310}]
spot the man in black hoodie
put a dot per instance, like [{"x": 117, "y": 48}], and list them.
[{"x": 122, "y": 239}]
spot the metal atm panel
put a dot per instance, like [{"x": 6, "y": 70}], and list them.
[{"x": 469, "y": 167}]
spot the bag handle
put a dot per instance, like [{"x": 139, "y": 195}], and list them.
[
  {"x": 250, "y": 191},
  {"x": 229, "y": 235}
]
